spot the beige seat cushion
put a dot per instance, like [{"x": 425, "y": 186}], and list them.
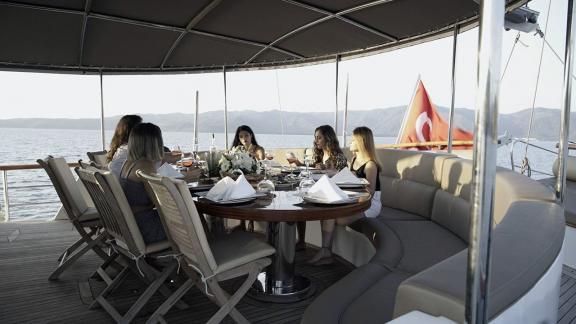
[
  {"x": 157, "y": 247},
  {"x": 388, "y": 213},
  {"x": 238, "y": 248},
  {"x": 89, "y": 215}
]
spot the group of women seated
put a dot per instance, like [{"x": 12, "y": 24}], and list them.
[{"x": 139, "y": 146}]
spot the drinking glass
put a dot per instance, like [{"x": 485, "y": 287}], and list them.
[
  {"x": 305, "y": 185},
  {"x": 203, "y": 165},
  {"x": 265, "y": 186},
  {"x": 269, "y": 156}
]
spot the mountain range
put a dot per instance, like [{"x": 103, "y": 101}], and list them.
[{"x": 383, "y": 121}]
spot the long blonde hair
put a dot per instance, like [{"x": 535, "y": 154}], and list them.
[
  {"x": 365, "y": 143},
  {"x": 145, "y": 142}
]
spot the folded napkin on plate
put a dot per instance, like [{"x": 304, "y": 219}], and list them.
[
  {"x": 227, "y": 189},
  {"x": 346, "y": 176},
  {"x": 325, "y": 189},
  {"x": 166, "y": 170}
]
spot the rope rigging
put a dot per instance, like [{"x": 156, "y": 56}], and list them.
[{"x": 525, "y": 168}]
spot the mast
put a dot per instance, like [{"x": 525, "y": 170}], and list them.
[
  {"x": 225, "y": 110},
  {"x": 102, "y": 126},
  {"x": 336, "y": 96}
]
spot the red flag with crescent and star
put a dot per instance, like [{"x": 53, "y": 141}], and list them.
[{"x": 422, "y": 123}]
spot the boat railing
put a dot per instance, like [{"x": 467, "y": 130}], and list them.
[
  {"x": 513, "y": 164},
  {"x": 5, "y": 187}
]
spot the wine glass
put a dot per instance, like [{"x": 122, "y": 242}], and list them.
[
  {"x": 203, "y": 165},
  {"x": 305, "y": 185},
  {"x": 308, "y": 158},
  {"x": 265, "y": 186},
  {"x": 269, "y": 156}
]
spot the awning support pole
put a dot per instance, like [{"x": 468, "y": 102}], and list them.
[
  {"x": 453, "y": 89},
  {"x": 566, "y": 99},
  {"x": 484, "y": 157},
  {"x": 345, "y": 121},
  {"x": 225, "y": 110},
  {"x": 336, "y": 94},
  {"x": 102, "y": 126}
]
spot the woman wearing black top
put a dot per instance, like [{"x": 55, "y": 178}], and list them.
[{"x": 366, "y": 166}]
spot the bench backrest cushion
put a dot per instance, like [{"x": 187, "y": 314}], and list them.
[{"x": 409, "y": 179}]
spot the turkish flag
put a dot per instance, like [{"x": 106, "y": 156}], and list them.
[{"x": 423, "y": 123}]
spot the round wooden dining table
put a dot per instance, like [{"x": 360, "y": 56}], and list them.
[{"x": 279, "y": 283}]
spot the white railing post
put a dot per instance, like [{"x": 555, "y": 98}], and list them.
[{"x": 6, "y": 200}]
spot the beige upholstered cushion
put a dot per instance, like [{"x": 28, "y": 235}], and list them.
[
  {"x": 407, "y": 195},
  {"x": 422, "y": 167},
  {"x": 570, "y": 168},
  {"x": 238, "y": 248},
  {"x": 452, "y": 213},
  {"x": 69, "y": 185},
  {"x": 388, "y": 213},
  {"x": 457, "y": 178}
]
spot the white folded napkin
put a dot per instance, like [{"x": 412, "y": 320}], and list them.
[
  {"x": 325, "y": 189},
  {"x": 166, "y": 170},
  {"x": 227, "y": 189},
  {"x": 346, "y": 176}
]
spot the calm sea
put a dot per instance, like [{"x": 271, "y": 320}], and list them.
[{"x": 32, "y": 197}]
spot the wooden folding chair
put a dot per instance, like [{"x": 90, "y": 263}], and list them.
[
  {"x": 230, "y": 256},
  {"x": 128, "y": 244},
  {"x": 80, "y": 215},
  {"x": 99, "y": 158}
]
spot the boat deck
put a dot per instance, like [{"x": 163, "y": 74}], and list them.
[{"x": 28, "y": 253}]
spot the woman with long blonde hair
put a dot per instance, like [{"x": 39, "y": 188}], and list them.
[{"x": 365, "y": 165}]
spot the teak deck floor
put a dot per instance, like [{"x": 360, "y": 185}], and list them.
[{"x": 28, "y": 253}]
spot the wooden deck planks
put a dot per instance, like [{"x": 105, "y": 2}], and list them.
[{"x": 26, "y": 295}]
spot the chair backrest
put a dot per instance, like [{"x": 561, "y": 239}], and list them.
[
  {"x": 113, "y": 207},
  {"x": 98, "y": 157},
  {"x": 65, "y": 185},
  {"x": 182, "y": 221}
]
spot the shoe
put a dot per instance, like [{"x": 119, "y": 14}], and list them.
[{"x": 300, "y": 246}]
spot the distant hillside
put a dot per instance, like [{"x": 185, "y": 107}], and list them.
[{"x": 384, "y": 122}]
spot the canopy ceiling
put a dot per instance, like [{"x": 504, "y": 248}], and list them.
[{"x": 150, "y": 36}]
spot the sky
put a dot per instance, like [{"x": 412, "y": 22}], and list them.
[{"x": 377, "y": 81}]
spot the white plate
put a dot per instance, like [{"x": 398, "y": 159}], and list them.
[
  {"x": 352, "y": 198},
  {"x": 350, "y": 185},
  {"x": 202, "y": 194}
]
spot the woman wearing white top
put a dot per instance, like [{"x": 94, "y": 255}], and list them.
[
  {"x": 364, "y": 165},
  {"x": 118, "y": 152}
]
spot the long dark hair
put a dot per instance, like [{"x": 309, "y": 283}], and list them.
[
  {"x": 245, "y": 128},
  {"x": 122, "y": 133},
  {"x": 332, "y": 142}
]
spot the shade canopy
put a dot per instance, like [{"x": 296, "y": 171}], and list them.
[{"x": 151, "y": 36}]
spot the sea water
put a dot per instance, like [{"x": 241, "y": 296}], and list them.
[{"x": 32, "y": 196}]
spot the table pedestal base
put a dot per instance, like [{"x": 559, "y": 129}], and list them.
[
  {"x": 279, "y": 283},
  {"x": 281, "y": 292}
]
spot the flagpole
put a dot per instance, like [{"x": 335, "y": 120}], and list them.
[
  {"x": 195, "y": 146},
  {"x": 407, "y": 112},
  {"x": 336, "y": 94},
  {"x": 453, "y": 90}
]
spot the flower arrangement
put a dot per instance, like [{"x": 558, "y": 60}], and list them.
[{"x": 238, "y": 159}]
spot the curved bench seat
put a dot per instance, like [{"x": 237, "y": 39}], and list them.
[{"x": 421, "y": 240}]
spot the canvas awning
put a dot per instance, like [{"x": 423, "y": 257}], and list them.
[{"x": 150, "y": 36}]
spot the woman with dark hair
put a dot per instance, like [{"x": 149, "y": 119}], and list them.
[
  {"x": 327, "y": 155},
  {"x": 118, "y": 151},
  {"x": 145, "y": 152},
  {"x": 246, "y": 139},
  {"x": 327, "y": 152}
]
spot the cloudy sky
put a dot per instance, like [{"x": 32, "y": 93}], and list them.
[{"x": 378, "y": 81}]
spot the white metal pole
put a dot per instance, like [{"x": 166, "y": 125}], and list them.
[
  {"x": 102, "y": 126},
  {"x": 225, "y": 110},
  {"x": 195, "y": 146},
  {"x": 336, "y": 94},
  {"x": 5, "y": 192},
  {"x": 453, "y": 89},
  {"x": 484, "y": 159},
  {"x": 345, "y": 121},
  {"x": 566, "y": 99}
]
